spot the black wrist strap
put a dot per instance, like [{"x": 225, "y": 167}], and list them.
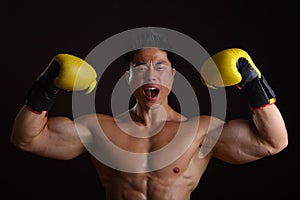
[
  {"x": 40, "y": 98},
  {"x": 259, "y": 93},
  {"x": 43, "y": 91}
]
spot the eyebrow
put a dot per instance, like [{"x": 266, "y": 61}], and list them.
[
  {"x": 140, "y": 62},
  {"x": 159, "y": 61}
]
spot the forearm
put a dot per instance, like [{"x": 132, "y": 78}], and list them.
[
  {"x": 271, "y": 127},
  {"x": 27, "y": 126}
]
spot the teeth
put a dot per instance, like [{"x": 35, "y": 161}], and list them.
[{"x": 151, "y": 88}]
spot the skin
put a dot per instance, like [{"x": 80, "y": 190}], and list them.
[{"x": 241, "y": 141}]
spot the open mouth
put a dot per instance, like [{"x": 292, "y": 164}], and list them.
[{"x": 151, "y": 93}]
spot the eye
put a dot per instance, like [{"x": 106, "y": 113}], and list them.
[
  {"x": 141, "y": 67},
  {"x": 160, "y": 66}
]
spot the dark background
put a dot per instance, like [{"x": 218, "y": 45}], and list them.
[{"x": 34, "y": 31}]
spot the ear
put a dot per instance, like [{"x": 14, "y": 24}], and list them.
[
  {"x": 173, "y": 71},
  {"x": 127, "y": 74}
]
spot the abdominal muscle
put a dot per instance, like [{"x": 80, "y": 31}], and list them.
[{"x": 174, "y": 182}]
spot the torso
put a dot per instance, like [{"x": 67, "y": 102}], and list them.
[{"x": 171, "y": 174}]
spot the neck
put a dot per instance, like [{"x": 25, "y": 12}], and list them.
[{"x": 150, "y": 116}]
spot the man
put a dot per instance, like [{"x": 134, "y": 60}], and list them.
[{"x": 151, "y": 77}]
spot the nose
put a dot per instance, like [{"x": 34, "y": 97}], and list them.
[{"x": 152, "y": 74}]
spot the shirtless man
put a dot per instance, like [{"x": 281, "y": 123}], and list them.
[{"x": 151, "y": 76}]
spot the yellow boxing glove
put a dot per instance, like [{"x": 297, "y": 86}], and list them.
[
  {"x": 64, "y": 72},
  {"x": 221, "y": 69},
  {"x": 75, "y": 74},
  {"x": 235, "y": 67}
]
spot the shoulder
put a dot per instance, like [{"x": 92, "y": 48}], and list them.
[
  {"x": 209, "y": 129},
  {"x": 90, "y": 120},
  {"x": 207, "y": 122}
]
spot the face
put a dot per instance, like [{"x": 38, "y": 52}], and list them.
[{"x": 151, "y": 76}]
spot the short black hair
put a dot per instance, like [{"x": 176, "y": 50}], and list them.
[{"x": 148, "y": 38}]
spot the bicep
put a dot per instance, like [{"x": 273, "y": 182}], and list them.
[
  {"x": 58, "y": 139},
  {"x": 239, "y": 143}
]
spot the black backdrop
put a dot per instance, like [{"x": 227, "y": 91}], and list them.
[{"x": 33, "y": 32}]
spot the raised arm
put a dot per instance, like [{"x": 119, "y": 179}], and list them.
[
  {"x": 243, "y": 141},
  {"x": 54, "y": 137}
]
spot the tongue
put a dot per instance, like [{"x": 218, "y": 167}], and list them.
[{"x": 150, "y": 93}]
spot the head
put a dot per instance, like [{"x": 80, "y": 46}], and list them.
[{"x": 150, "y": 75}]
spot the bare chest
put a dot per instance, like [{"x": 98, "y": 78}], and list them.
[{"x": 128, "y": 152}]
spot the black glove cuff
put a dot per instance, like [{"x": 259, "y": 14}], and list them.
[
  {"x": 40, "y": 97},
  {"x": 259, "y": 93},
  {"x": 43, "y": 91}
]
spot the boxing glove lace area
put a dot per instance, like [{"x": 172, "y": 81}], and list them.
[{"x": 257, "y": 89}]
